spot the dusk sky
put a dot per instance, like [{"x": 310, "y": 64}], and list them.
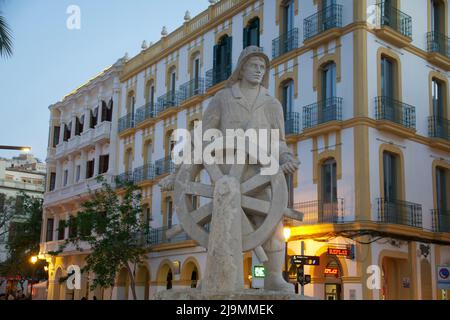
[{"x": 49, "y": 60}]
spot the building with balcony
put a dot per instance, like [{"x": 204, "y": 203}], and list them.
[{"x": 364, "y": 90}]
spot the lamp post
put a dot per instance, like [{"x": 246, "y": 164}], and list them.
[
  {"x": 24, "y": 149},
  {"x": 287, "y": 235},
  {"x": 33, "y": 261}
]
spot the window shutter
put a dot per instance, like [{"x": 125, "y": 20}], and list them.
[
  {"x": 215, "y": 62},
  {"x": 257, "y": 32},
  {"x": 246, "y": 36},
  {"x": 228, "y": 55},
  {"x": 104, "y": 111}
]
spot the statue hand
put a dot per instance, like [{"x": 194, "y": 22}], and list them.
[{"x": 290, "y": 166}]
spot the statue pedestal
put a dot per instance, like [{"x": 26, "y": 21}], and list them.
[{"x": 246, "y": 294}]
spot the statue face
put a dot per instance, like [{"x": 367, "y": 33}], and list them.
[{"x": 254, "y": 70}]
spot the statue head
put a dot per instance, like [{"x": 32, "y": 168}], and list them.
[{"x": 253, "y": 65}]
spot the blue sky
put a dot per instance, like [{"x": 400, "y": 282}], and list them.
[{"x": 50, "y": 60}]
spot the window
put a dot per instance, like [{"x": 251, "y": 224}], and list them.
[
  {"x": 169, "y": 212},
  {"x": 329, "y": 184},
  {"x": 173, "y": 81},
  {"x": 103, "y": 164},
  {"x": 390, "y": 176},
  {"x": 437, "y": 16},
  {"x": 438, "y": 99},
  {"x": 251, "y": 33},
  {"x": 387, "y": 78},
  {"x": 151, "y": 97},
  {"x": 169, "y": 280},
  {"x": 107, "y": 110},
  {"x": 329, "y": 81},
  {"x": 72, "y": 227},
  {"x": 56, "y": 133},
  {"x": 442, "y": 177},
  {"x": 222, "y": 59},
  {"x": 194, "y": 278},
  {"x": 196, "y": 75},
  {"x": 90, "y": 168},
  {"x": 66, "y": 175},
  {"x": 49, "y": 234},
  {"x": 77, "y": 173},
  {"x": 288, "y": 16},
  {"x": 52, "y": 181},
  {"x": 61, "y": 229},
  {"x": 67, "y": 129},
  {"x": 79, "y": 125},
  {"x": 131, "y": 107},
  {"x": 128, "y": 160},
  {"x": 148, "y": 153},
  {"x": 94, "y": 118},
  {"x": 288, "y": 98}
]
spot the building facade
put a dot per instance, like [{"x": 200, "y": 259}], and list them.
[{"x": 364, "y": 88}]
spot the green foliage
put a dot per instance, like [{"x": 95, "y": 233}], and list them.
[{"x": 110, "y": 224}]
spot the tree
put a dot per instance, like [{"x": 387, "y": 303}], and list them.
[
  {"x": 6, "y": 213},
  {"x": 24, "y": 238},
  {"x": 5, "y": 38},
  {"x": 110, "y": 224}
]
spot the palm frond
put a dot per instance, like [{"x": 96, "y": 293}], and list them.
[{"x": 5, "y": 38}]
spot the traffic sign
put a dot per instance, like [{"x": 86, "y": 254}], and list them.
[{"x": 306, "y": 260}]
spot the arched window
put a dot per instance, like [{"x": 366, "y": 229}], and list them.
[
  {"x": 150, "y": 95},
  {"x": 287, "y": 98},
  {"x": 222, "y": 59},
  {"x": 251, "y": 33},
  {"x": 329, "y": 209},
  {"x": 131, "y": 106},
  {"x": 437, "y": 16},
  {"x": 194, "y": 278},
  {"x": 288, "y": 15},
  {"x": 169, "y": 280}
]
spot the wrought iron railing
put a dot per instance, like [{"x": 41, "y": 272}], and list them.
[
  {"x": 292, "y": 123},
  {"x": 285, "y": 43},
  {"x": 124, "y": 178},
  {"x": 439, "y": 43},
  {"x": 158, "y": 236},
  {"x": 146, "y": 172},
  {"x": 396, "y": 111},
  {"x": 192, "y": 88},
  {"x": 399, "y": 212},
  {"x": 439, "y": 127},
  {"x": 145, "y": 112},
  {"x": 326, "y": 19},
  {"x": 322, "y": 112},
  {"x": 440, "y": 220},
  {"x": 319, "y": 211},
  {"x": 168, "y": 100},
  {"x": 215, "y": 76},
  {"x": 392, "y": 17},
  {"x": 126, "y": 122},
  {"x": 163, "y": 166}
]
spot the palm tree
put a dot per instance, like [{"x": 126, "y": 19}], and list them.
[{"x": 5, "y": 38}]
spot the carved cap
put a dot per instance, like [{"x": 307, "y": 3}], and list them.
[{"x": 247, "y": 53}]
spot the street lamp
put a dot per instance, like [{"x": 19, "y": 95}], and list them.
[
  {"x": 33, "y": 259},
  {"x": 24, "y": 149},
  {"x": 287, "y": 235}
]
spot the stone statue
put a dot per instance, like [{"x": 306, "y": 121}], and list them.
[{"x": 243, "y": 104}]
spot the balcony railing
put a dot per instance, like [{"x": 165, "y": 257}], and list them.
[
  {"x": 168, "y": 100},
  {"x": 292, "y": 123},
  {"x": 326, "y": 19},
  {"x": 395, "y": 111},
  {"x": 399, "y": 212},
  {"x": 158, "y": 236},
  {"x": 146, "y": 172},
  {"x": 216, "y": 76},
  {"x": 124, "y": 178},
  {"x": 318, "y": 211},
  {"x": 395, "y": 19},
  {"x": 437, "y": 42},
  {"x": 439, "y": 127},
  {"x": 440, "y": 220},
  {"x": 163, "y": 166},
  {"x": 126, "y": 122},
  {"x": 192, "y": 88},
  {"x": 322, "y": 112},
  {"x": 145, "y": 112},
  {"x": 285, "y": 43}
]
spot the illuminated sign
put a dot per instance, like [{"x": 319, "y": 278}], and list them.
[
  {"x": 331, "y": 271},
  {"x": 259, "y": 272},
  {"x": 347, "y": 252},
  {"x": 306, "y": 260}
]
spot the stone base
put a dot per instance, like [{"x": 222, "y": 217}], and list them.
[{"x": 248, "y": 294}]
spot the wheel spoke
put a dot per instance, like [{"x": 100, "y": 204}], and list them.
[
  {"x": 200, "y": 189},
  {"x": 255, "y": 182},
  {"x": 247, "y": 228},
  {"x": 257, "y": 206},
  {"x": 214, "y": 171},
  {"x": 237, "y": 170},
  {"x": 203, "y": 214}
]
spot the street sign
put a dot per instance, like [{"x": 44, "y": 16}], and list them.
[
  {"x": 306, "y": 260},
  {"x": 259, "y": 272},
  {"x": 443, "y": 277}
]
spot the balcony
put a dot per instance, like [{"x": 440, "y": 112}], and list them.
[
  {"x": 102, "y": 131},
  {"x": 158, "y": 236},
  {"x": 192, "y": 88},
  {"x": 12, "y": 184},
  {"x": 440, "y": 220},
  {"x": 126, "y": 122},
  {"x": 399, "y": 212},
  {"x": 163, "y": 166},
  {"x": 217, "y": 75},
  {"x": 168, "y": 100},
  {"x": 61, "y": 149},
  {"x": 394, "y": 25},
  {"x": 325, "y": 20},
  {"x": 146, "y": 172},
  {"x": 395, "y": 111},
  {"x": 318, "y": 212},
  {"x": 439, "y": 49},
  {"x": 292, "y": 123},
  {"x": 439, "y": 127},
  {"x": 124, "y": 178},
  {"x": 86, "y": 137},
  {"x": 285, "y": 43},
  {"x": 145, "y": 112},
  {"x": 322, "y": 112}
]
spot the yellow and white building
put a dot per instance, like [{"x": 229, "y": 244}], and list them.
[{"x": 364, "y": 85}]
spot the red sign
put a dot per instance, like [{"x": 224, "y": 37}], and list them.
[
  {"x": 339, "y": 252},
  {"x": 331, "y": 271}
]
